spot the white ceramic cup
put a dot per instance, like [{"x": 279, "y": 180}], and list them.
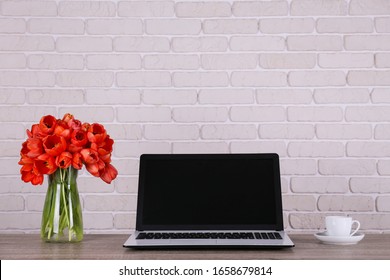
[{"x": 341, "y": 226}]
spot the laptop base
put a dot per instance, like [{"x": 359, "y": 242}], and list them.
[{"x": 209, "y": 243}]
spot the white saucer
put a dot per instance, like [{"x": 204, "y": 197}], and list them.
[{"x": 339, "y": 240}]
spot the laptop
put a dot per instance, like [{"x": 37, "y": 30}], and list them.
[{"x": 209, "y": 201}]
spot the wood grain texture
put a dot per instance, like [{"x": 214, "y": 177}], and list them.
[{"x": 109, "y": 246}]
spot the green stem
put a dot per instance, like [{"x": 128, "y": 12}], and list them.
[{"x": 67, "y": 218}]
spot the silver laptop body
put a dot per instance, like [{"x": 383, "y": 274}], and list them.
[{"x": 209, "y": 201}]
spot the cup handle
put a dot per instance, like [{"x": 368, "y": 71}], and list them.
[{"x": 357, "y": 228}]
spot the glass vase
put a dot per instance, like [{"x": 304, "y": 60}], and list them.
[{"x": 62, "y": 219}]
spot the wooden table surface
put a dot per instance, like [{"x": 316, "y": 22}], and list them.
[{"x": 109, "y": 246}]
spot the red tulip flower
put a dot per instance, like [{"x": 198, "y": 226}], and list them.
[
  {"x": 32, "y": 148},
  {"x": 62, "y": 129},
  {"x": 64, "y": 160},
  {"x": 77, "y": 162},
  {"x": 47, "y": 124},
  {"x": 96, "y": 133},
  {"x": 89, "y": 156},
  {"x": 92, "y": 161},
  {"x": 45, "y": 164},
  {"x": 54, "y": 144},
  {"x": 67, "y": 117},
  {"x": 35, "y": 132},
  {"x": 28, "y": 175},
  {"x": 109, "y": 173},
  {"x": 79, "y": 138}
]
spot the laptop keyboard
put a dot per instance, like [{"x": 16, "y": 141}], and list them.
[{"x": 209, "y": 235}]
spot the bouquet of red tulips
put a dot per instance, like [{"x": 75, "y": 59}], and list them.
[{"x": 61, "y": 143}]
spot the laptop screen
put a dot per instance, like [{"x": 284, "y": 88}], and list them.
[{"x": 209, "y": 192}]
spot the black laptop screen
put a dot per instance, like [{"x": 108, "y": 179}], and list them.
[{"x": 209, "y": 192}]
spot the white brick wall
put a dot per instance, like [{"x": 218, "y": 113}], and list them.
[{"x": 307, "y": 79}]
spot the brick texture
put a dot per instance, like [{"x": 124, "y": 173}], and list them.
[{"x": 307, "y": 79}]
